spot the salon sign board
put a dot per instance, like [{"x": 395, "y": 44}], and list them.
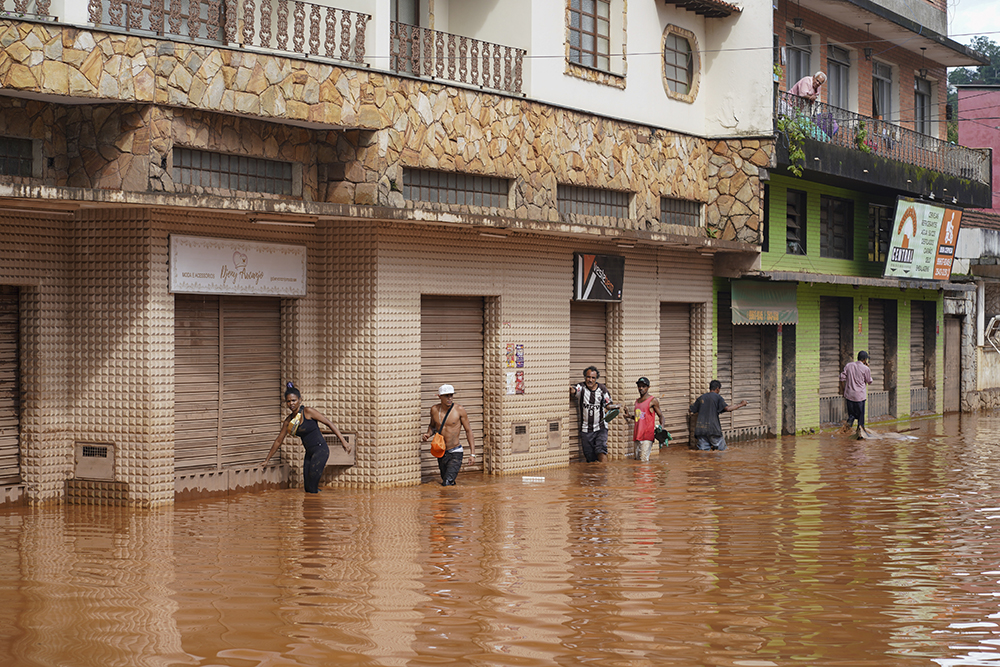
[
  {"x": 201, "y": 265},
  {"x": 923, "y": 240}
]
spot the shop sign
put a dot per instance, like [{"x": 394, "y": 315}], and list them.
[
  {"x": 923, "y": 240},
  {"x": 598, "y": 277},
  {"x": 757, "y": 302},
  {"x": 201, "y": 265}
]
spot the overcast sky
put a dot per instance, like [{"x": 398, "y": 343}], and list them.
[{"x": 968, "y": 18}]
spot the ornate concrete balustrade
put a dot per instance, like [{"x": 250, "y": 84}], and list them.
[{"x": 441, "y": 55}]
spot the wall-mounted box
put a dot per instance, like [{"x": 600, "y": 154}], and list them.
[
  {"x": 94, "y": 461},
  {"x": 520, "y": 438},
  {"x": 338, "y": 457}
]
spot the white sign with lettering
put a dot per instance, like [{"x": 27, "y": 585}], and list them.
[{"x": 201, "y": 265}]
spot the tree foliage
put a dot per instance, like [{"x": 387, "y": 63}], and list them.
[{"x": 983, "y": 74}]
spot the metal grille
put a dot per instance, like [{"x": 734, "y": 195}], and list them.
[
  {"x": 15, "y": 156},
  {"x": 231, "y": 172},
  {"x": 795, "y": 223},
  {"x": 879, "y": 232},
  {"x": 592, "y": 201},
  {"x": 94, "y": 451},
  {"x": 590, "y": 33},
  {"x": 441, "y": 187},
  {"x": 680, "y": 212}
]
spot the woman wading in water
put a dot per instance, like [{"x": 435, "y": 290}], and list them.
[{"x": 304, "y": 422}]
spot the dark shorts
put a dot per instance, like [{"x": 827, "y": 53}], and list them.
[
  {"x": 449, "y": 465},
  {"x": 594, "y": 444}
]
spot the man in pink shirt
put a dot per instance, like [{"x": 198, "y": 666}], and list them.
[
  {"x": 808, "y": 86},
  {"x": 856, "y": 377}
]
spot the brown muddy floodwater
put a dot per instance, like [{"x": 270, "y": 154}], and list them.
[{"x": 814, "y": 550}]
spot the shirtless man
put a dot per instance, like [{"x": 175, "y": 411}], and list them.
[{"x": 454, "y": 422}]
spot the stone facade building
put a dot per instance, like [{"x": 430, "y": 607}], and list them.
[{"x": 438, "y": 220}]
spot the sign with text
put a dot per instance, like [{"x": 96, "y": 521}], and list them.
[
  {"x": 923, "y": 241},
  {"x": 598, "y": 277},
  {"x": 201, "y": 265}
]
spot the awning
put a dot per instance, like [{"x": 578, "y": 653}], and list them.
[
  {"x": 757, "y": 302},
  {"x": 712, "y": 9}
]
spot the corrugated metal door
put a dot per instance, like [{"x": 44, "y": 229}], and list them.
[
  {"x": 675, "y": 368},
  {"x": 916, "y": 345},
  {"x": 829, "y": 346},
  {"x": 876, "y": 344},
  {"x": 451, "y": 352},
  {"x": 952, "y": 363},
  {"x": 747, "y": 377},
  {"x": 227, "y": 384},
  {"x": 724, "y": 338},
  {"x": 10, "y": 387},
  {"x": 588, "y": 327}
]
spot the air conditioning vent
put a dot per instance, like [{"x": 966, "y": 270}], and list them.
[{"x": 95, "y": 461}]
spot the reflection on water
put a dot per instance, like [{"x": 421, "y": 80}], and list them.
[{"x": 816, "y": 550}]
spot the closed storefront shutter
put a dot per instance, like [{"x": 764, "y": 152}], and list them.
[
  {"x": 724, "y": 336},
  {"x": 747, "y": 382},
  {"x": 10, "y": 386},
  {"x": 451, "y": 352},
  {"x": 829, "y": 346},
  {"x": 739, "y": 368},
  {"x": 876, "y": 344},
  {"x": 227, "y": 353},
  {"x": 675, "y": 368},
  {"x": 587, "y": 347},
  {"x": 916, "y": 345}
]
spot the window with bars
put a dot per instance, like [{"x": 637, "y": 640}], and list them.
[
  {"x": 15, "y": 156},
  {"x": 680, "y": 212},
  {"x": 879, "y": 232},
  {"x": 795, "y": 223},
  {"x": 838, "y": 73},
  {"x": 590, "y": 33},
  {"x": 836, "y": 228},
  {"x": 799, "y": 48},
  {"x": 440, "y": 187},
  {"x": 678, "y": 64},
  {"x": 922, "y": 105},
  {"x": 222, "y": 171},
  {"x": 578, "y": 200}
]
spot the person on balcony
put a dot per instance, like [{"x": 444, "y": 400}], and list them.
[{"x": 808, "y": 86}]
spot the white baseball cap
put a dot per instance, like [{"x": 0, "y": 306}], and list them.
[{"x": 445, "y": 389}]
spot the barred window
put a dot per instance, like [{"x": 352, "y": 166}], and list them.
[
  {"x": 592, "y": 201},
  {"x": 440, "y": 187},
  {"x": 15, "y": 156},
  {"x": 680, "y": 212},
  {"x": 231, "y": 172},
  {"x": 678, "y": 63},
  {"x": 836, "y": 228}
]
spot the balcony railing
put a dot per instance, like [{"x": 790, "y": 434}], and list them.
[
  {"x": 36, "y": 9},
  {"x": 826, "y": 123},
  {"x": 441, "y": 55},
  {"x": 282, "y": 25}
]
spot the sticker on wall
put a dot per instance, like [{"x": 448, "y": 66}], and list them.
[
  {"x": 519, "y": 382},
  {"x": 518, "y": 356},
  {"x": 511, "y": 382},
  {"x": 513, "y": 355},
  {"x": 860, "y": 324}
]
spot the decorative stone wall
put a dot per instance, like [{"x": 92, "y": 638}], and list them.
[{"x": 395, "y": 123}]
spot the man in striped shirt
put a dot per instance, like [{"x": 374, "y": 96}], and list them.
[{"x": 592, "y": 398}]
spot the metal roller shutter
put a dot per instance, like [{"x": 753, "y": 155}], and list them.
[
  {"x": 916, "y": 345},
  {"x": 588, "y": 326},
  {"x": 227, "y": 382},
  {"x": 675, "y": 368},
  {"x": 451, "y": 352},
  {"x": 747, "y": 377},
  {"x": 10, "y": 387},
  {"x": 876, "y": 344},
  {"x": 739, "y": 368},
  {"x": 724, "y": 337},
  {"x": 829, "y": 346}
]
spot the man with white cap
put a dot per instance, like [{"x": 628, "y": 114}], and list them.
[{"x": 450, "y": 418}]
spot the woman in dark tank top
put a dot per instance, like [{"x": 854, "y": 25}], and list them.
[{"x": 304, "y": 422}]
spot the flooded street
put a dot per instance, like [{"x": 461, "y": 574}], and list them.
[{"x": 815, "y": 550}]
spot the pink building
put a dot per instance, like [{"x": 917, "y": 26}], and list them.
[{"x": 979, "y": 125}]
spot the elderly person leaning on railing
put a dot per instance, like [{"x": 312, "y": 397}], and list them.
[{"x": 808, "y": 86}]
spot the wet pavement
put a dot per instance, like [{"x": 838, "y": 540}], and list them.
[{"x": 814, "y": 550}]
